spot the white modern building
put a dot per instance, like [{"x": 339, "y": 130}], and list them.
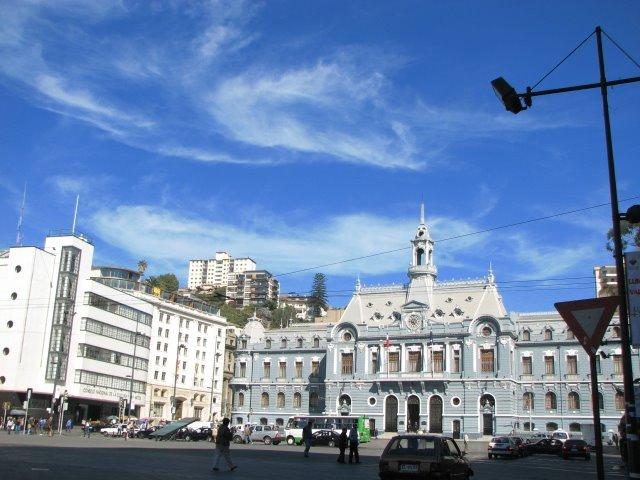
[
  {"x": 299, "y": 302},
  {"x": 214, "y": 272},
  {"x": 100, "y": 336},
  {"x": 61, "y": 331}
]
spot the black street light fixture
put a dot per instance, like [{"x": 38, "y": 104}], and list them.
[{"x": 515, "y": 103}]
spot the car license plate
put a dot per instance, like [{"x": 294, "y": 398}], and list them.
[
  {"x": 407, "y": 467},
  {"x": 574, "y": 449}
]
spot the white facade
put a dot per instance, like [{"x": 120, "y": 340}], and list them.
[
  {"x": 299, "y": 302},
  {"x": 192, "y": 373},
  {"x": 215, "y": 272},
  {"x": 62, "y": 331}
]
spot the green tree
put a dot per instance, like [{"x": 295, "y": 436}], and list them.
[
  {"x": 167, "y": 282},
  {"x": 630, "y": 235},
  {"x": 280, "y": 316},
  {"x": 236, "y": 316},
  {"x": 318, "y": 298}
]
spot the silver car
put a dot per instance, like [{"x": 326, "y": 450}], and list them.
[
  {"x": 266, "y": 434},
  {"x": 502, "y": 446}
]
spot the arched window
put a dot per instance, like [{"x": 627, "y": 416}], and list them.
[
  {"x": 283, "y": 343},
  {"x": 419, "y": 256},
  {"x": 297, "y": 400},
  {"x": 526, "y": 336},
  {"x": 314, "y": 400},
  {"x": 280, "y": 400},
  {"x": 615, "y": 332},
  {"x": 548, "y": 334},
  {"x": 552, "y": 426},
  {"x": 267, "y": 344},
  {"x": 527, "y": 401},
  {"x": 264, "y": 421},
  {"x": 529, "y": 426},
  {"x": 619, "y": 401},
  {"x": 570, "y": 335},
  {"x": 299, "y": 343},
  {"x": 550, "y": 401},
  {"x": 264, "y": 400},
  {"x": 279, "y": 422},
  {"x": 575, "y": 427},
  {"x": 240, "y": 400},
  {"x": 573, "y": 401},
  {"x": 316, "y": 342}
]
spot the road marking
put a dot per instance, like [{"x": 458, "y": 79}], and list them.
[{"x": 39, "y": 469}]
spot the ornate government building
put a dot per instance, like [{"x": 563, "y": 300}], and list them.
[{"x": 433, "y": 356}]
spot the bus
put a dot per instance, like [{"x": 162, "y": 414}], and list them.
[{"x": 293, "y": 430}]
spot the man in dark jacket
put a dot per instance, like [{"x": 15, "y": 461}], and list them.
[
  {"x": 307, "y": 433},
  {"x": 342, "y": 444},
  {"x": 223, "y": 442},
  {"x": 354, "y": 440}
]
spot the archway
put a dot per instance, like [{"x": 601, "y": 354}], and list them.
[
  {"x": 419, "y": 256},
  {"x": 456, "y": 429},
  {"x": 487, "y": 411},
  {"x": 344, "y": 404},
  {"x": 413, "y": 414},
  {"x": 435, "y": 414},
  {"x": 391, "y": 414}
]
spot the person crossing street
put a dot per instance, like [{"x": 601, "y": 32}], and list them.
[{"x": 223, "y": 443}]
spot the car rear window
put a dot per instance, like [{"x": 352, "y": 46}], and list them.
[
  {"x": 500, "y": 440},
  {"x": 578, "y": 443},
  {"x": 412, "y": 446}
]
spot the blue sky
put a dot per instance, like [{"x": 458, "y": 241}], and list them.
[{"x": 303, "y": 133}]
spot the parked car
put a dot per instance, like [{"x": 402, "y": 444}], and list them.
[
  {"x": 523, "y": 448},
  {"x": 114, "y": 430},
  {"x": 193, "y": 435},
  {"x": 420, "y": 456},
  {"x": 576, "y": 448},
  {"x": 502, "y": 446},
  {"x": 561, "y": 436},
  {"x": 325, "y": 437},
  {"x": 546, "y": 445},
  {"x": 146, "y": 432},
  {"x": 266, "y": 434}
]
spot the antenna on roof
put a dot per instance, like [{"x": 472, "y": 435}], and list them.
[
  {"x": 75, "y": 215},
  {"x": 19, "y": 235}
]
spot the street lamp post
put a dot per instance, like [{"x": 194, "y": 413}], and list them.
[
  {"x": 175, "y": 383},
  {"x": 513, "y": 103},
  {"x": 213, "y": 382},
  {"x": 133, "y": 367}
]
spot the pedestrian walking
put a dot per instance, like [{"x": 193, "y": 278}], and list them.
[
  {"x": 9, "y": 425},
  {"x": 353, "y": 445},
  {"x": 68, "y": 425},
  {"x": 615, "y": 439},
  {"x": 247, "y": 434},
  {"x": 307, "y": 436},
  {"x": 223, "y": 443},
  {"x": 49, "y": 427},
  {"x": 466, "y": 441},
  {"x": 342, "y": 444},
  {"x": 86, "y": 429}
]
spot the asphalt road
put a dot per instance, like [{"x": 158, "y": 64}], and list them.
[{"x": 72, "y": 457}]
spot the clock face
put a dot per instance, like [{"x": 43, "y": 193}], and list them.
[{"x": 413, "y": 321}]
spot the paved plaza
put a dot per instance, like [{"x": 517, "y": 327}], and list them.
[{"x": 72, "y": 457}]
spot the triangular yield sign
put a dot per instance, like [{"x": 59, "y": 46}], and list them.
[{"x": 588, "y": 319}]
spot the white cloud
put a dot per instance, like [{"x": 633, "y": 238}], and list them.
[{"x": 170, "y": 238}]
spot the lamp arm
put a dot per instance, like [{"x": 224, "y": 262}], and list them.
[{"x": 575, "y": 88}]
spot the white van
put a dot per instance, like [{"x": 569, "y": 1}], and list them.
[{"x": 199, "y": 424}]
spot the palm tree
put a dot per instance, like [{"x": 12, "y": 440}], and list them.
[{"x": 142, "y": 266}]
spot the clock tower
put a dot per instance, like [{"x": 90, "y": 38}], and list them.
[{"x": 422, "y": 272}]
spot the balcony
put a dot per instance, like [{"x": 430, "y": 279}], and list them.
[
  {"x": 549, "y": 376},
  {"x": 281, "y": 380},
  {"x": 526, "y": 377},
  {"x": 571, "y": 376}
]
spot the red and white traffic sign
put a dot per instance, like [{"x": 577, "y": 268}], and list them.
[{"x": 588, "y": 319}]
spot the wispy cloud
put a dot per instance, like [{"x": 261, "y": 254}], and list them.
[{"x": 171, "y": 238}]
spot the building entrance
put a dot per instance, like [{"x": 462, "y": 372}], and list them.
[
  {"x": 413, "y": 414},
  {"x": 435, "y": 414},
  {"x": 487, "y": 410},
  {"x": 391, "y": 414}
]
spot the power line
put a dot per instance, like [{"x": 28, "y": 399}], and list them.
[{"x": 456, "y": 237}]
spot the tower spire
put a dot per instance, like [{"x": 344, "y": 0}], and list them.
[
  {"x": 422, "y": 213},
  {"x": 490, "y": 277},
  {"x": 19, "y": 235}
]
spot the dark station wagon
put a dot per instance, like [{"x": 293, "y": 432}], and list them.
[{"x": 423, "y": 456}]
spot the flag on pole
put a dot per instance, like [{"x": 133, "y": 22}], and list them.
[{"x": 387, "y": 343}]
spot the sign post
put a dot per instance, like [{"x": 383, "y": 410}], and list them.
[
  {"x": 632, "y": 263},
  {"x": 588, "y": 320}
]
